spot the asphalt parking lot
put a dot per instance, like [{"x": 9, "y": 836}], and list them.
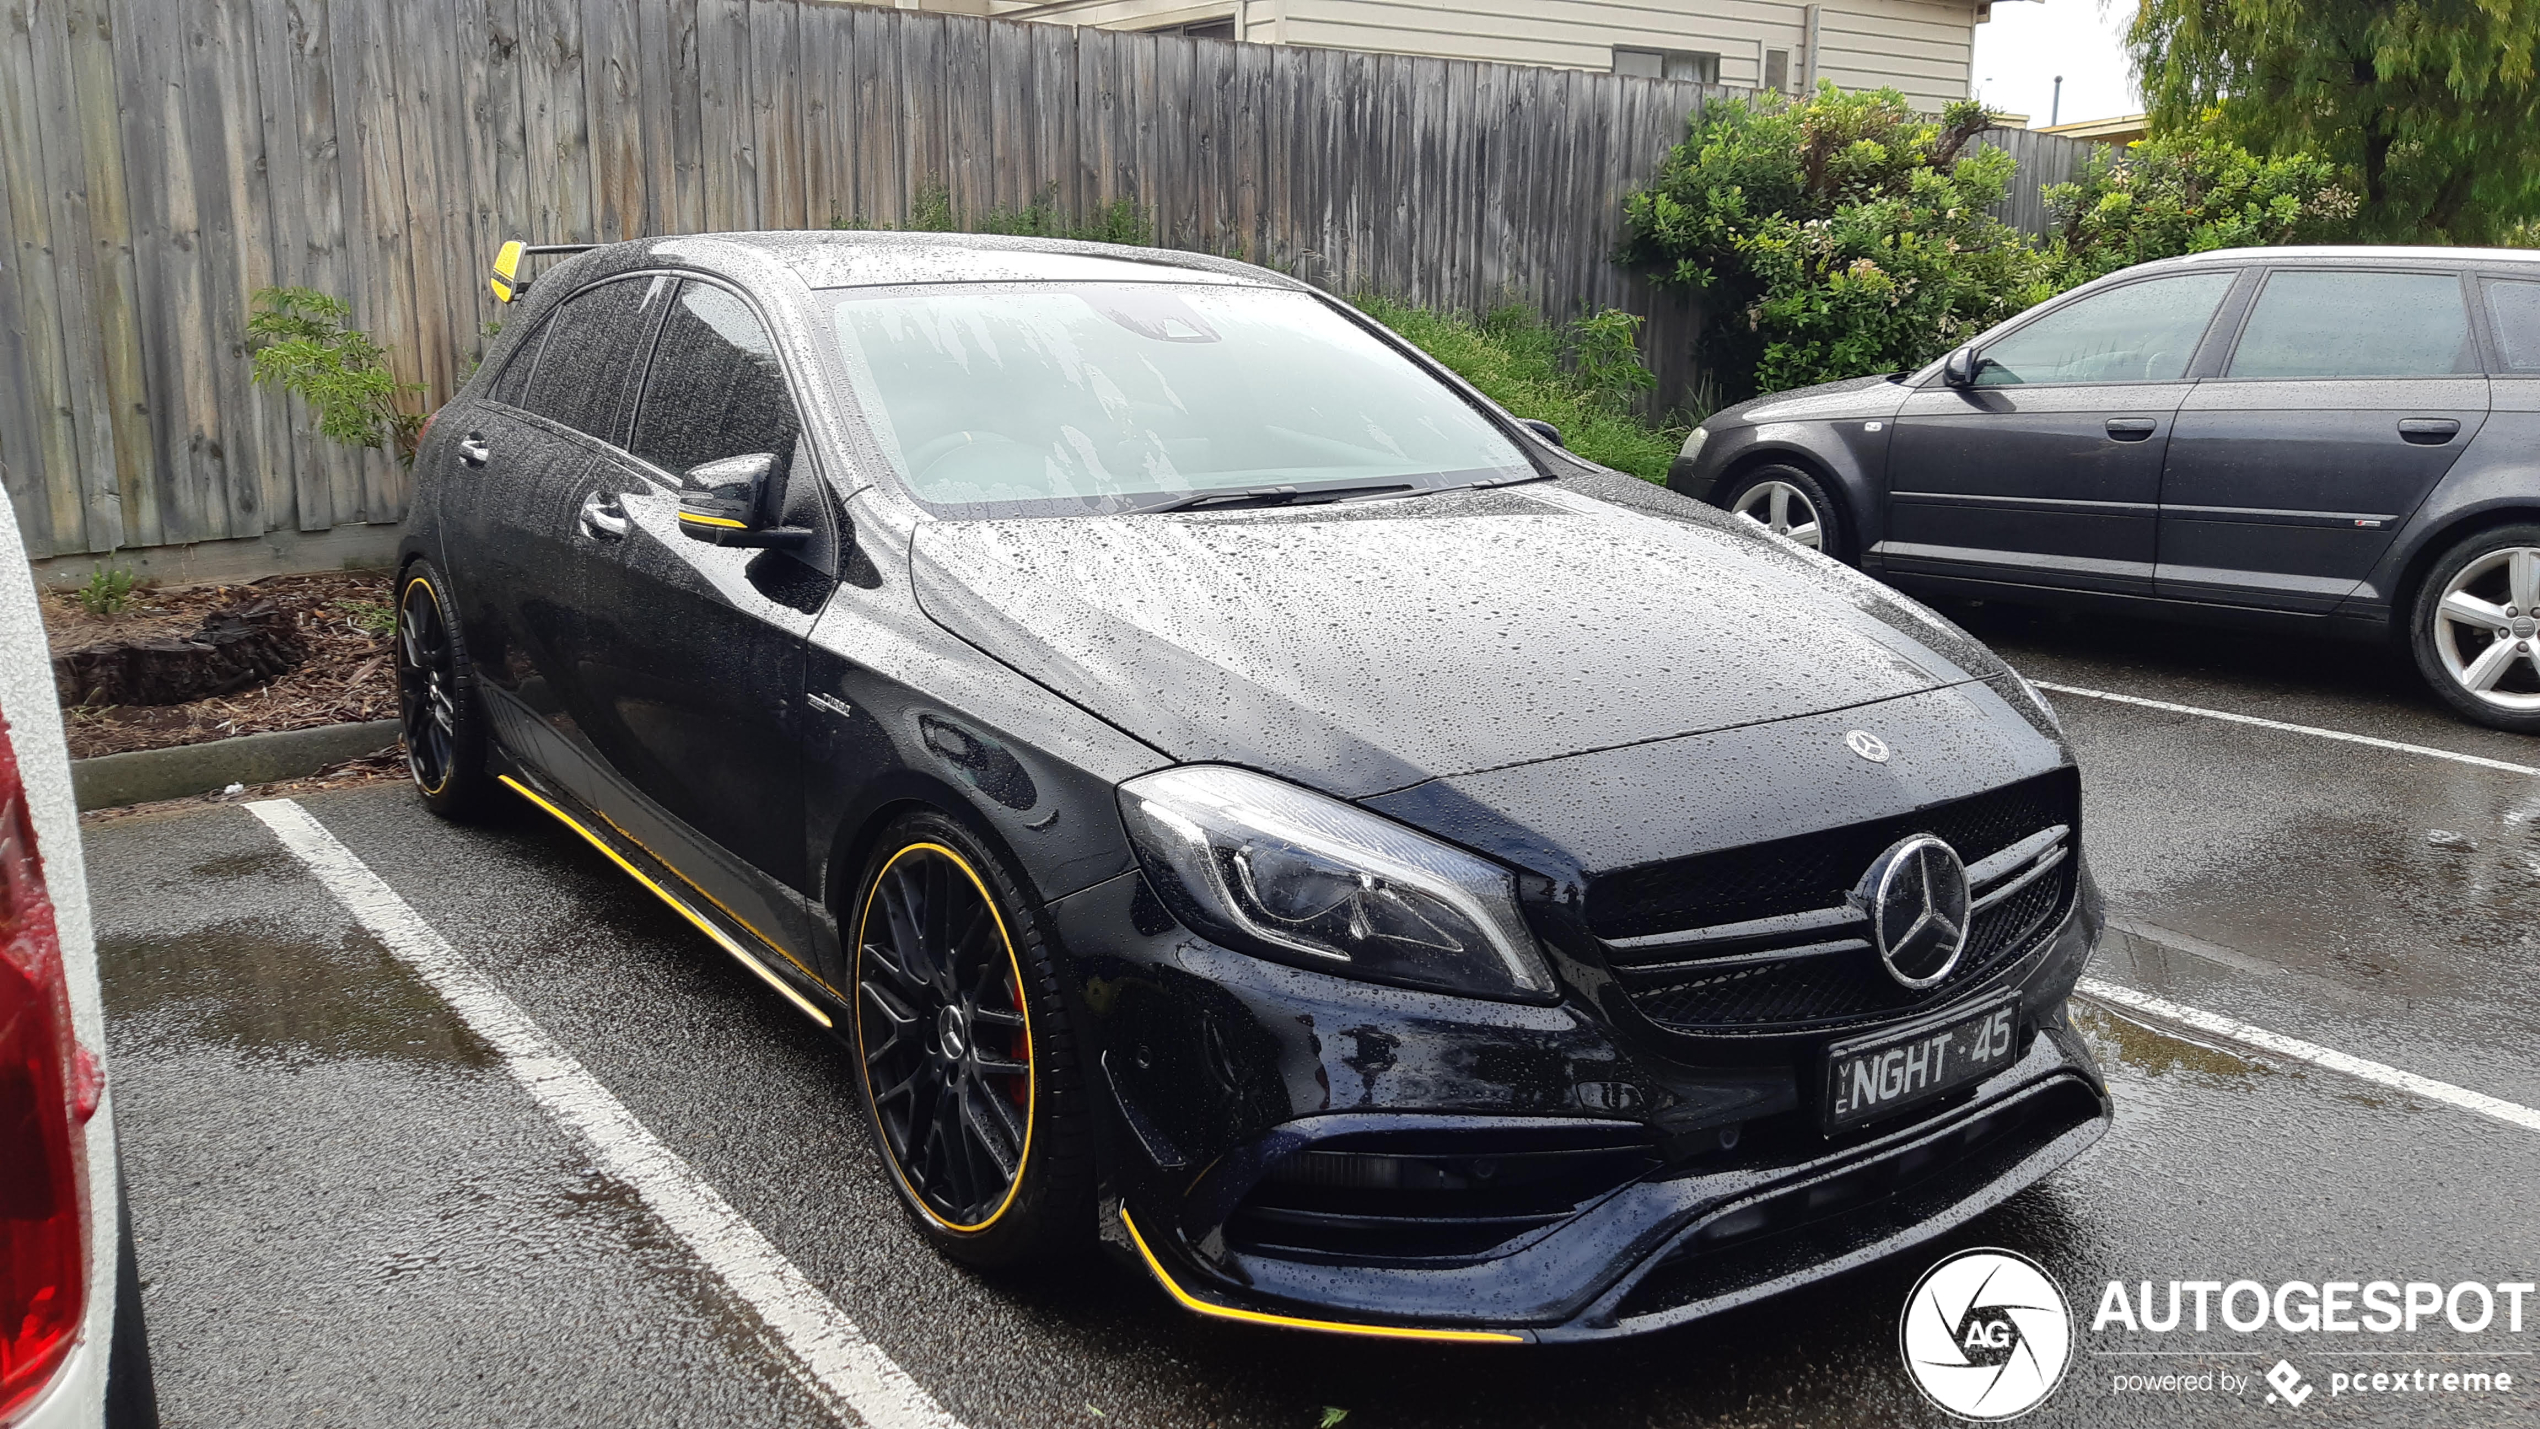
[{"x": 351, "y": 1209}]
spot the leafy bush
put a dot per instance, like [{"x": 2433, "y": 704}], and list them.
[
  {"x": 1833, "y": 236},
  {"x": 305, "y": 345},
  {"x": 108, "y": 592},
  {"x": 2189, "y": 193},
  {"x": 1516, "y": 359}
]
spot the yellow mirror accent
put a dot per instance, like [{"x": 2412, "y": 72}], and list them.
[{"x": 506, "y": 279}]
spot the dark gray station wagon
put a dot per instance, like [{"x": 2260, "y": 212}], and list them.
[{"x": 2340, "y": 439}]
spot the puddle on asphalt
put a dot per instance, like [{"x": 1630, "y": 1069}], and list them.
[
  {"x": 255, "y": 986},
  {"x": 2161, "y": 1054}
]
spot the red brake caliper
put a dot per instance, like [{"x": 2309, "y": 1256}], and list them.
[{"x": 1019, "y": 1091}]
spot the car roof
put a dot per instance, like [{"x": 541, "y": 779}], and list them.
[
  {"x": 2348, "y": 252},
  {"x": 867, "y": 258}
]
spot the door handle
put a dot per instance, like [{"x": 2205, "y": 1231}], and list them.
[
  {"x": 601, "y": 518},
  {"x": 473, "y": 451},
  {"x": 2132, "y": 429},
  {"x": 2428, "y": 431}
]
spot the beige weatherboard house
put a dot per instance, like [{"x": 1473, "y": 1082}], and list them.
[{"x": 1922, "y": 47}]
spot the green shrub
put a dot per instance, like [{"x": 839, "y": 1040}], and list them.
[
  {"x": 1833, "y": 236},
  {"x": 108, "y": 592},
  {"x": 2190, "y": 193},
  {"x": 1516, "y": 359},
  {"x": 304, "y": 344}
]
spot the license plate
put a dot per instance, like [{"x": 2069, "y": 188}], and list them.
[{"x": 1878, "y": 1076}]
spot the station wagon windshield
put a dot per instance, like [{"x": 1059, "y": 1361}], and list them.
[{"x": 1045, "y": 400}]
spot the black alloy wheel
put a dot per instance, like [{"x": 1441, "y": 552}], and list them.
[
  {"x": 445, "y": 750},
  {"x": 971, "y": 1093}
]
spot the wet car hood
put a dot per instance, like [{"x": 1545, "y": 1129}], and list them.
[{"x": 1367, "y": 647}]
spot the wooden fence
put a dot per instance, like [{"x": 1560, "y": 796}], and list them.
[{"x": 160, "y": 160}]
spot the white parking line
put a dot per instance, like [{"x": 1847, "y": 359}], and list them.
[
  {"x": 2402, "y": 747},
  {"x": 830, "y": 1354},
  {"x": 2362, "y": 1068}
]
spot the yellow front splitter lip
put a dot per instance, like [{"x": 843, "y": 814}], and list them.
[{"x": 1193, "y": 1303}]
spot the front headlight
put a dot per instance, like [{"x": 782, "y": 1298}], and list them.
[
  {"x": 1286, "y": 873},
  {"x": 1693, "y": 444}
]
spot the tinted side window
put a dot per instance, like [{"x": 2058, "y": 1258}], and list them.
[
  {"x": 2513, "y": 310},
  {"x": 2356, "y": 325},
  {"x": 591, "y": 347},
  {"x": 511, "y": 388},
  {"x": 715, "y": 388},
  {"x": 2142, "y": 332}
]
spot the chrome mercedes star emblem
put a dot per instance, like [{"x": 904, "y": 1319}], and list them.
[
  {"x": 1869, "y": 746},
  {"x": 1917, "y": 899}
]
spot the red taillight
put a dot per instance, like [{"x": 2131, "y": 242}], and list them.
[
  {"x": 43, "y": 1176},
  {"x": 426, "y": 429}
]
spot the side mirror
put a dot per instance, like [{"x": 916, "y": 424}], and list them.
[
  {"x": 1960, "y": 368},
  {"x": 1545, "y": 430},
  {"x": 730, "y": 503}
]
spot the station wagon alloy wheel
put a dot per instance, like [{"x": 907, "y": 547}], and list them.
[
  {"x": 944, "y": 1036},
  {"x": 1782, "y": 508},
  {"x": 2487, "y": 628}
]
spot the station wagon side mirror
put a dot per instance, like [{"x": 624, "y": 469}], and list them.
[
  {"x": 731, "y": 502},
  {"x": 1545, "y": 430},
  {"x": 1961, "y": 368}
]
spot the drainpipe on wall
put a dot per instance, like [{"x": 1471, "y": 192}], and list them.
[{"x": 1810, "y": 26}]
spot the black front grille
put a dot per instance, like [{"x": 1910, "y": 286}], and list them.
[{"x": 1663, "y": 924}]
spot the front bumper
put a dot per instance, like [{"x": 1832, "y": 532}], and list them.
[{"x": 1698, "y": 1188}]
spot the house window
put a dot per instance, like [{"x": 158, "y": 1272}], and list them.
[
  {"x": 1667, "y": 64},
  {"x": 1777, "y": 71}
]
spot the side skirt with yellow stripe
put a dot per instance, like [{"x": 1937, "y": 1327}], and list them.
[{"x": 772, "y": 964}]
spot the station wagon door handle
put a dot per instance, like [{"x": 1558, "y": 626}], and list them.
[
  {"x": 2132, "y": 429},
  {"x": 2428, "y": 431},
  {"x": 473, "y": 450},
  {"x": 601, "y": 518}
]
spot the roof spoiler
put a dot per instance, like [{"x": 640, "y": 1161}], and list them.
[{"x": 507, "y": 282}]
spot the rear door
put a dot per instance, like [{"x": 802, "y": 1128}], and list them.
[
  {"x": 2348, "y": 393},
  {"x": 513, "y": 549},
  {"x": 2047, "y": 472}
]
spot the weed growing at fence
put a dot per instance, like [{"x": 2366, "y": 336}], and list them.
[
  {"x": 1516, "y": 359},
  {"x": 108, "y": 592},
  {"x": 304, "y": 343}
]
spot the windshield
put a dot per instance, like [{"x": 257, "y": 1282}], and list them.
[{"x": 1039, "y": 400}]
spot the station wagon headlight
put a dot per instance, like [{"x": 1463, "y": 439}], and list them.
[
  {"x": 1693, "y": 444},
  {"x": 1286, "y": 873}
]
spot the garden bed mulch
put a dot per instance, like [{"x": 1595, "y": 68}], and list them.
[{"x": 346, "y": 675}]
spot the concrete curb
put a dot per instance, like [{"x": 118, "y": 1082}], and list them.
[{"x": 113, "y": 780}]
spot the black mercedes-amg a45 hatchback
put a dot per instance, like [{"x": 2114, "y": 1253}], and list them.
[{"x": 1242, "y": 798}]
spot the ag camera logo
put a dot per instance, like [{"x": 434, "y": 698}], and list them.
[{"x": 1986, "y": 1335}]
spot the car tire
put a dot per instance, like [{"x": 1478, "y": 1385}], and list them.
[
  {"x": 1792, "y": 502},
  {"x": 954, "y": 989},
  {"x": 437, "y": 702},
  {"x": 2457, "y": 623}
]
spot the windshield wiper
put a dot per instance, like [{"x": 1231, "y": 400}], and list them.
[{"x": 1236, "y": 497}]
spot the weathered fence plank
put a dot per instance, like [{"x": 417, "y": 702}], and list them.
[{"x": 161, "y": 160}]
